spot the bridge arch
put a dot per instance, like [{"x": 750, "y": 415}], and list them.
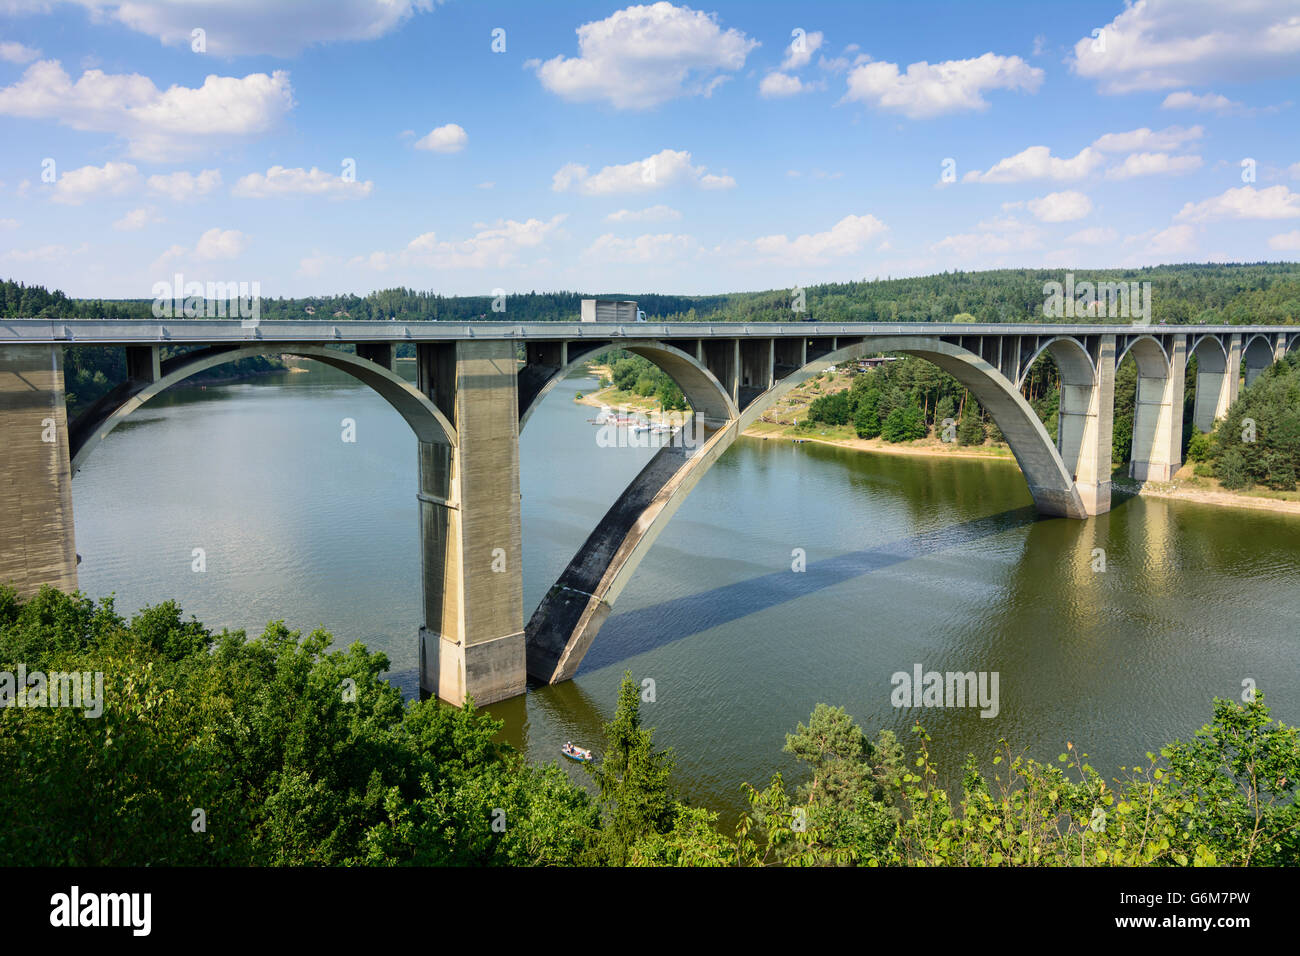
[
  {"x": 1258, "y": 354},
  {"x": 702, "y": 389},
  {"x": 1212, "y": 381},
  {"x": 92, "y": 426},
  {"x": 573, "y": 610}
]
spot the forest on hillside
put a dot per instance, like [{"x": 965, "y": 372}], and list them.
[{"x": 1252, "y": 293}]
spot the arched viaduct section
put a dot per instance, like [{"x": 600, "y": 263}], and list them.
[
  {"x": 476, "y": 385},
  {"x": 566, "y": 621}
]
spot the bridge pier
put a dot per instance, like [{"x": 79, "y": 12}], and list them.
[
  {"x": 37, "y": 544},
  {"x": 472, "y": 641}
]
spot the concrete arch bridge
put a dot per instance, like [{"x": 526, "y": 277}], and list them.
[{"x": 477, "y": 385}]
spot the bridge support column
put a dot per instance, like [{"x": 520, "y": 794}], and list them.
[
  {"x": 472, "y": 642},
  {"x": 1158, "y": 418},
  {"x": 1234, "y": 370},
  {"x": 1096, "y": 425},
  {"x": 37, "y": 544}
]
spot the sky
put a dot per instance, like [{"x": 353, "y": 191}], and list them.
[{"x": 330, "y": 146}]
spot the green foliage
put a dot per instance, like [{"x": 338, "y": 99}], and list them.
[
  {"x": 833, "y": 409},
  {"x": 632, "y": 781},
  {"x": 903, "y": 424},
  {"x": 260, "y": 735},
  {"x": 1268, "y": 453}
]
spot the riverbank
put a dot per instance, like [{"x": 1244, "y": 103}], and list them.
[{"x": 1185, "y": 486}]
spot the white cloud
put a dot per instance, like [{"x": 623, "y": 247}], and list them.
[
  {"x": 9, "y": 224},
  {"x": 781, "y": 84},
  {"x": 927, "y": 90},
  {"x": 1037, "y": 162},
  {"x": 12, "y": 52},
  {"x": 1159, "y": 44},
  {"x": 1245, "y": 202},
  {"x": 643, "y": 56},
  {"x": 52, "y": 252},
  {"x": 182, "y": 186},
  {"x": 89, "y": 182},
  {"x": 279, "y": 181},
  {"x": 1093, "y": 236},
  {"x": 799, "y": 53},
  {"x": 668, "y": 167},
  {"x": 445, "y": 139},
  {"x": 251, "y": 27},
  {"x": 1171, "y": 137},
  {"x": 1064, "y": 206},
  {"x": 1287, "y": 241},
  {"x": 1206, "y": 103},
  {"x": 847, "y": 237},
  {"x": 491, "y": 246},
  {"x": 218, "y": 244},
  {"x": 642, "y": 249},
  {"x": 137, "y": 219},
  {"x": 658, "y": 213},
  {"x": 1176, "y": 240},
  {"x": 994, "y": 237},
  {"x": 1153, "y": 164},
  {"x": 157, "y": 124},
  {"x": 1294, "y": 170}
]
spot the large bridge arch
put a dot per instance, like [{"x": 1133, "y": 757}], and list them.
[
  {"x": 90, "y": 428},
  {"x": 566, "y": 621},
  {"x": 702, "y": 390}
]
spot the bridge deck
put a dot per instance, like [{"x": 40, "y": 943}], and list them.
[{"x": 219, "y": 331}]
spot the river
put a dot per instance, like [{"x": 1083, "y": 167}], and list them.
[{"x": 936, "y": 562}]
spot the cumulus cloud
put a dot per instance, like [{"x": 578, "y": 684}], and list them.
[
  {"x": 1159, "y": 44},
  {"x": 847, "y": 237},
  {"x": 1206, "y": 103},
  {"x": 1064, "y": 206},
  {"x": 252, "y": 27},
  {"x": 12, "y": 52},
  {"x": 1244, "y": 202},
  {"x": 1037, "y": 162},
  {"x": 658, "y": 213},
  {"x": 183, "y": 186},
  {"x": 668, "y": 167},
  {"x": 93, "y": 182},
  {"x": 801, "y": 49},
  {"x": 279, "y": 181},
  {"x": 218, "y": 244},
  {"x": 491, "y": 246},
  {"x": 1093, "y": 236},
  {"x": 444, "y": 139},
  {"x": 642, "y": 249},
  {"x": 927, "y": 90},
  {"x": 1153, "y": 164},
  {"x": 1171, "y": 137},
  {"x": 776, "y": 85},
  {"x": 157, "y": 124},
  {"x": 137, "y": 219},
  {"x": 993, "y": 237},
  {"x": 643, "y": 56},
  {"x": 1175, "y": 240},
  {"x": 1286, "y": 242}
]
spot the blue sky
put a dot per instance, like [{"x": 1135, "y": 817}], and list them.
[{"x": 656, "y": 148}]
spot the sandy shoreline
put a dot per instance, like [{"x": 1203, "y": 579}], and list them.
[{"x": 1171, "y": 491}]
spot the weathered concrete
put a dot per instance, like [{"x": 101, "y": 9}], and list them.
[
  {"x": 472, "y": 644},
  {"x": 473, "y": 395},
  {"x": 37, "y": 542},
  {"x": 568, "y": 618}
]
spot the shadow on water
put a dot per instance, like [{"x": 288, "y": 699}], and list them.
[{"x": 644, "y": 629}]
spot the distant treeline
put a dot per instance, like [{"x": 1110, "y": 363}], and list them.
[{"x": 1240, "y": 294}]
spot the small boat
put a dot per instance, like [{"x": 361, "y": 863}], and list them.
[{"x": 575, "y": 753}]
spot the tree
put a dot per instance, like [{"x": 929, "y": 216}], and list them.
[{"x": 632, "y": 781}]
